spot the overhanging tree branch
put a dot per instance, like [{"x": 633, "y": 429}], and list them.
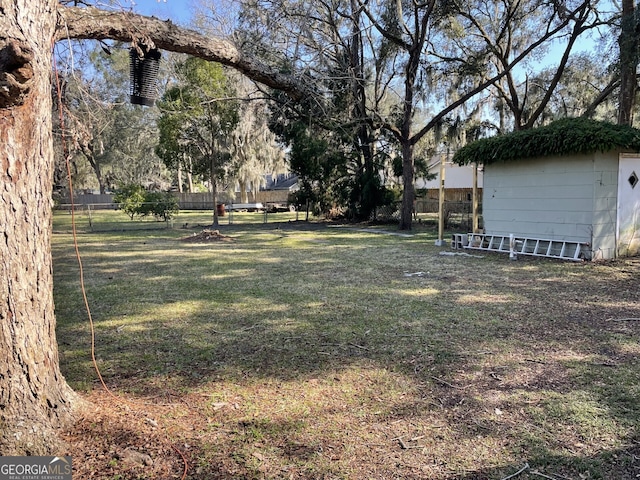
[
  {"x": 95, "y": 24},
  {"x": 606, "y": 92}
]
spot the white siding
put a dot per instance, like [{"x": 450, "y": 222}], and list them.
[
  {"x": 558, "y": 198},
  {"x": 541, "y": 198}
]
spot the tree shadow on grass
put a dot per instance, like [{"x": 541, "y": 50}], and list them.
[
  {"x": 619, "y": 464},
  {"x": 520, "y": 364}
]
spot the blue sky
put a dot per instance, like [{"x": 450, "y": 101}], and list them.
[{"x": 179, "y": 11}]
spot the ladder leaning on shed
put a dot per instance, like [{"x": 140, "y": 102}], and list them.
[{"x": 513, "y": 245}]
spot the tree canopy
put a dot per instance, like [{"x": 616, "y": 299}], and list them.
[{"x": 198, "y": 117}]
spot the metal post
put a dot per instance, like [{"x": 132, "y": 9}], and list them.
[
  {"x": 474, "y": 224},
  {"x": 512, "y": 247}
]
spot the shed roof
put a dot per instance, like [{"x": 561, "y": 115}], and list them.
[{"x": 568, "y": 136}]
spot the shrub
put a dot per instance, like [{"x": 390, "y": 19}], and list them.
[
  {"x": 162, "y": 205},
  {"x": 134, "y": 200}
]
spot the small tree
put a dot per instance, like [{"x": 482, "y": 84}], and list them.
[
  {"x": 130, "y": 199},
  {"x": 198, "y": 116},
  {"x": 162, "y": 205}
]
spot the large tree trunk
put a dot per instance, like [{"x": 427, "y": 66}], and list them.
[
  {"x": 628, "y": 44},
  {"x": 34, "y": 397},
  {"x": 408, "y": 192}
]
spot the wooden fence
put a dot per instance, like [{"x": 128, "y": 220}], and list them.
[{"x": 186, "y": 201}]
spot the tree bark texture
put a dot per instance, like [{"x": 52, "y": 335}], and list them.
[
  {"x": 34, "y": 397},
  {"x": 408, "y": 192},
  {"x": 408, "y": 173}
]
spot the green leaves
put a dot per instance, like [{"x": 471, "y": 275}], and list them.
[
  {"x": 198, "y": 114},
  {"x": 134, "y": 200},
  {"x": 568, "y": 136},
  {"x": 130, "y": 199}
]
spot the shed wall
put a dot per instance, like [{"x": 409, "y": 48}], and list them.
[
  {"x": 559, "y": 198},
  {"x": 540, "y": 198},
  {"x": 570, "y": 198}
]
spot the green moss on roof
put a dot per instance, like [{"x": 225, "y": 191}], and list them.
[{"x": 568, "y": 136}]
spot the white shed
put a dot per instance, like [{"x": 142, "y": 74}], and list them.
[{"x": 589, "y": 197}]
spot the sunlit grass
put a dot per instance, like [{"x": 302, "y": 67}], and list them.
[{"x": 115, "y": 220}]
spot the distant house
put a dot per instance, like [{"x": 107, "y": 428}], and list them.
[
  {"x": 458, "y": 186},
  {"x": 278, "y": 188},
  {"x": 575, "y": 180}
]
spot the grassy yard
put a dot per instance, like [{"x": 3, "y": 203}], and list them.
[
  {"x": 90, "y": 220},
  {"x": 305, "y": 351}
]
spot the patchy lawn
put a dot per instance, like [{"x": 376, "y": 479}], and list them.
[{"x": 303, "y": 351}]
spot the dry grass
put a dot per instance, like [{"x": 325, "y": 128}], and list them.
[{"x": 309, "y": 352}]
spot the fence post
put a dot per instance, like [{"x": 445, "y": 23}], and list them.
[{"x": 440, "y": 241}]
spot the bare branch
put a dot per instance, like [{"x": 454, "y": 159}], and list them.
[
  {"x": 602, "y": 97},
  {"x": 508, "y": 66},
  {"x": 383, "y": 31}
]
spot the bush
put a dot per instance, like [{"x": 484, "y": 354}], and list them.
[
  {"x": 134, "y": 200},
  {"x": 130, "y": 199},
  {"x": 162, "y": 205}
]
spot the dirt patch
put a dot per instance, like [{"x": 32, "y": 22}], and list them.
[
  {"x": 121, "y": 439},
  {"x": 206, "y": 236}
]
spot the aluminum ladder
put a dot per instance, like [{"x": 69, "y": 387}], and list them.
[{"x": 537, "y": 247}]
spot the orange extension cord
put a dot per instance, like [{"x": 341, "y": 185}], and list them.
[{"x": 79, "y": 258}]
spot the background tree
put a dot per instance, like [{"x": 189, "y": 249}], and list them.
[
  {"x": 628, "y": 61},
  {"x": 585, "y": 89},
  {"x": 198, "y": 116},
  {"x": 254, "y": 149},
  {"x": 318, "y": 164},
  {"x": 507, "y": 29},
  {"x": 328, "y": 43}
]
